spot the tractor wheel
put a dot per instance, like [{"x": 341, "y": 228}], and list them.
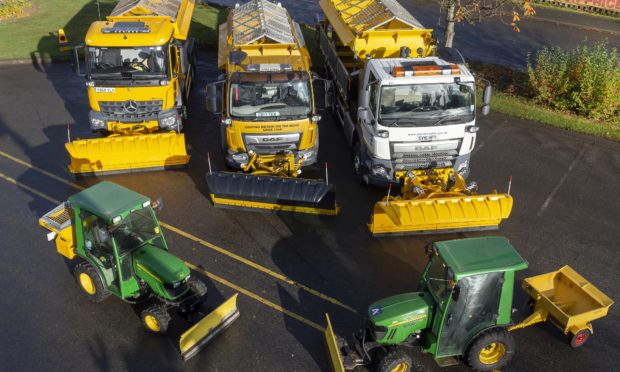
[
  {"x": 89, "y": 280},
  {"x": 155, "y": 318},
  {"x": 579, "y": 339},
  {"x": 197, "y": 287},
  {"x": 492, "y": 350},
  {"x": 395, "y": 360}
]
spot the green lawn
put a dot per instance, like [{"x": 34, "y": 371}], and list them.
[{"x": 36, "y": 35}]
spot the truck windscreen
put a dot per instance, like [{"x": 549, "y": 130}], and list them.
[
  {"x": 426, "y": 104},
  {"x": 268, "y": 96},
  {"x": 117, "y": 63}
]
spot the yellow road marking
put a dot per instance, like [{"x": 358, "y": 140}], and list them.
[
  {"x": 196, "y": 239},
  {"x": 212, "y": 276}
]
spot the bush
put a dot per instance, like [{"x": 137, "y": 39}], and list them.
[
  {"x": 13, "y": 8},
  {"x": 585, "y": 80}
]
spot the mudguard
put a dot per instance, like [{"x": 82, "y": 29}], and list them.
[
  {"x": 131, "y": 153},
  {"x": 208, "y": 328},
  {"x": 272, "y": 193}
]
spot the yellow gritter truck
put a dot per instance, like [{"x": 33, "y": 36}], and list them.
[
  {"x": 409, "y": 117},
  {"x": 139, "y": 66},
  {"x": 269, "y": 125}
]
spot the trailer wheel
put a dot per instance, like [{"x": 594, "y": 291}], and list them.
[
  {"x": 491, "y": 350},
  {"x": 197, "y": 287},
  {"x": 580, "y": 338},
  {"x": 89, "y": 280},
  {"x": 155, "y": 318},
  {"x": 395, "y": 360}
]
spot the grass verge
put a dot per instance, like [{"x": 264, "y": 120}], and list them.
[{"x": 35, "y": 36}]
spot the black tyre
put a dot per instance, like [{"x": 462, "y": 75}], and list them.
[
  {"x": 89, "y": 280},
  {"x": 197, "y": 287},
  {"x": 358, "y": 166},
  {"x": 156, "y": 319},
  {"x": 579, "y": 339},
  {"x": 395, "y": 360},
  {"x": 491, "y": 350}
]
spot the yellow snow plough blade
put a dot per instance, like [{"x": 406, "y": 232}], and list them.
[
  {"x": 207, "y": 329},
  {"x": 447, "y": 213},
  {"x": 332, "y": 347},
  {"x": 130, "y": 153}
]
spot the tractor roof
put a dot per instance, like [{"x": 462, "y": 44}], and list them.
[
  {"x": 107, "y": 200},
  {"x": 480, "y": 255}
]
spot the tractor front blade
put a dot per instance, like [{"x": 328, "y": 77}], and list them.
[
  {"x": 333, "y": 349},
  {"x": 272, "y": 193},
  {"x": 208, "y": 328},
  {"x": 442, "y": 214},
  {"x": 124, "y": 154}
]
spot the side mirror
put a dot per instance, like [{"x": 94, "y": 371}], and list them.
[
  {"x": 486, "y": 99},
  {"x": 322, "y": 89},
  {"x": 212, "y": 97},
  {"x": 157, "y": 205},
  {"x": 364, "y": 98},
  {"x": 75, "y": 60}
]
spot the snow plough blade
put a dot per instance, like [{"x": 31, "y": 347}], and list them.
[
  {"x": 333, "y": 348},
  {"x": 439, "y": 215},
  {"x": 208, "y": 328},
  {"x": 272, "y": 193},
  {"x": 124, "y": 154}
]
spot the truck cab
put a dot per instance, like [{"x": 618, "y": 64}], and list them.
[{"x": 414, "y": 114}]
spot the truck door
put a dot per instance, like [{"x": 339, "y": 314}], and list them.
[
  {"x": 368, "y": 126},
  {"x": 473, "y": 307}
]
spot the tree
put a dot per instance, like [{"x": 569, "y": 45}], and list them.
[{"x": 473, "y": 11}]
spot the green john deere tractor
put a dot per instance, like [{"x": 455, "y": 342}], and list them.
[
  {"x": 461, "y": 312},
  {"x": 120, "y": 249}
]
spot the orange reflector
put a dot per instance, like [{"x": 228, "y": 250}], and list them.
[{"x": 426, "y": 70}]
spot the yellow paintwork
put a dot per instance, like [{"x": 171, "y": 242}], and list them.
[
  {"x": 162, "y": 28},
  {"x": 273, "y": 207},
  {"x": 438, "y": 208},
  {"x": 166, "y": 93},
  {"x": 332, "y": 347},
  {"x": 151, "y": 322},
  {"x": 87, "y": 284},
  {"x": 402, "y": 367},
  {"x": 377, "y": 42},
  {"x": 63, "y": 41},
  {"x": 126, "y": 153},
  {"x": 566, "y": 298},
  {"x": 492, "y": 353},
  {"x": 209, "y": 324},
  {"x": 65, "y": 238},
  {"x": 236, "y": 131}
]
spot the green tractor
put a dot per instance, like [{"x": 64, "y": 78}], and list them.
[
  {"x": 119, "y": 248},
  {"x": 461, "y": 312}
]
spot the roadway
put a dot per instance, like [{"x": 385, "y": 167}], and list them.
[{"x": 290, "y": 269}]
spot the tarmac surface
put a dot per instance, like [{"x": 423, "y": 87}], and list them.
[{"x": 289, "y": 269}]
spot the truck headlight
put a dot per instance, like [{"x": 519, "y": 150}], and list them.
[
  {"x": 97, "y": 121},
  {"x": 240, "y": 157},
  {"x": 383, "y": 134},
  {"x": 379, "y": 170},
  {"x": 170, "y": 122}
]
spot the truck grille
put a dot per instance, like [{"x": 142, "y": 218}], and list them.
[
  {"x": 272, "y": 143},
  {"x": 421, "y": 155},
  {"x": 130, "y": 109}
]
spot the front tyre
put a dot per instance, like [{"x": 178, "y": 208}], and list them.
[
  {"x": 156, "y": 319},
  {"x": 395, "y": 360},
  {"x": 358, "y": 165},
  {"x": 492, "y": 350},
  {"x": 89, "y": 280}
]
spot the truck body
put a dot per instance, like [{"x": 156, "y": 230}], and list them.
[
  {"x": 139, "y": 67},
  {"x": 401, "y": 107},
  {"x": 268, "y": 114},
  {"x": 112, "y": 236}
]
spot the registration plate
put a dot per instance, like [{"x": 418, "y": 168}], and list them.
[
  {"x": 105, "y": 90},
  {"x": 427, "y": 138}
]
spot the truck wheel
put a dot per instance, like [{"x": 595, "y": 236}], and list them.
[
  {"x": 358, "y": 166},
  {"x": 580, "y": 338},
  {"x": 156, "y": 319},
  {"x": 395, "y": 360},
  {"x": 197, "y": 287},
  {"x": 89, "y": 280},
  {"x": 492, "y": 350}
]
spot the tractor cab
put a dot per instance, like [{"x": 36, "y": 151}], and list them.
[
  {"x": 118, "y": 233},
  {"x": 471, "y": 282}
]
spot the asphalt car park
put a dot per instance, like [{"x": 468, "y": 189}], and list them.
[{"x": 290, "y": 269}]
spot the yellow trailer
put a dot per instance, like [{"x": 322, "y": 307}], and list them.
[
  {"x": 139, "y": 67},
  {"x": 566, "y": 299}
]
